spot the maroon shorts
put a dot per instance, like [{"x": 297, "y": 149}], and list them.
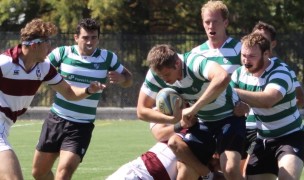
[{"x": 60, "y": 134}]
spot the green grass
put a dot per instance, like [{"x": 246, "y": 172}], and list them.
[{"x": 113, "y": 144}]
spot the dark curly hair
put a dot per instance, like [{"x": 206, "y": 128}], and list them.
[{"x": 89, "y": 25}]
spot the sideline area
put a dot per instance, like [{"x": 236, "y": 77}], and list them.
[{"x": 103, "y": 113}]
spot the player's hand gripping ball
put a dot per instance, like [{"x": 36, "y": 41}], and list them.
[{"x": 166, "y": 100}]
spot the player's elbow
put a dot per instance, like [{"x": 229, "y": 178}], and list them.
[
  {"x": 128, "y": 79},
  {"x": 223, "y": 78},
  {"x": 140, "y": 114},
  {"x": 300, "y": 103}
]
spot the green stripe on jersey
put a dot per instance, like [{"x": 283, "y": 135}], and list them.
[
  {"x": 280, "y": 131},
  {"x": 74, "y": 107},
  {"x": 80, "y": 71},
  {"x": 275, "y": 118},
  {"x": 193, "y": 85},
  {"x": 228, "y": 56}
]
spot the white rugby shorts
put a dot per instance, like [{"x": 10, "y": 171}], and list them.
[{"x": 5, "y": 126}]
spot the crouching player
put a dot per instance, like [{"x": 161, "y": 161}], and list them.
[{"x": 159, "y": 162}]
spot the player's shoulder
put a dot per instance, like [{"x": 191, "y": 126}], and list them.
[
  {"x": 10, "y": 57},
  {"x": 233, "y": 43},
  {"x": 105, "y": 54},
  {"x": 233, "y": 39},
  {"x": 5, "y": 59},
  {"x": 63, "y": 50},
  {"x": 200, "y": 48}
]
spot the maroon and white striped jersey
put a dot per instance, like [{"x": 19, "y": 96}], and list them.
[{"x": 18, "y": 86}]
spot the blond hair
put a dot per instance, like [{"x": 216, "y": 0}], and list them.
[
  {"x": 37, "y": 28},
  {"x": 214, "y": 6}
]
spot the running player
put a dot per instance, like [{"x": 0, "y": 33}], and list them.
[{"x": 22, "y": 70}]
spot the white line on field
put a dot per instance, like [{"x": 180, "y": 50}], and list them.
[{"x": 22, "y": 125}]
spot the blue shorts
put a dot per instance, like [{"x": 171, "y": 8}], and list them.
[{"x": 206, "y": 138}]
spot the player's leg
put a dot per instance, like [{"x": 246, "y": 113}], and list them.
[
  {"x": 77, "y": 137},
  {"x": 230, "y": 144},
  {"x": 193, "y": 152},
  {"x": 262, "y": 164},
  {"x": 184, "y": 154},
  {"x": 9, "y": 166},
  {"x": 186, "y": 172},
  {"x": 48, "y": 147},
  {"x": 249, "y": 145},
  {"x": 290, "y": 167},
  {"x": 42, "y": 165},
  {"x": 230, "y": 164},
  {"x": 291, "y": 155},
  {"x": 68, "y": 163},
  {"x": 243, "y": 165}
]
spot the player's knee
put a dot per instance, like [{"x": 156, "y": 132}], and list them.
[
  {"x": 232, "y": 172},
  {"x": 39, "y": 175},
  {"x": 67, "y": 170}
]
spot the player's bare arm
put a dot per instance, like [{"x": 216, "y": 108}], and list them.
[
  {"x": 124, "y": 79},
  {"x": 300, "y": 97},
  {"x": 264, "y": 99},
  {"x": 145, "y": 111},
  {"x": 76, "y": 93},
  {"x": 162, "y": 132},
  {"x": 219, "y": 80}
]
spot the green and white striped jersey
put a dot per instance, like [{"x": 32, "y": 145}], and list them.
[
  {"x": 79, "y": 71},
  {"x": 250, "y": 121},
  {"x": 228, "y": 56},
  {"x": 193, "y": 85},
  {"x": 296, "y": 83},
  {"x": 284, "y": 117}
]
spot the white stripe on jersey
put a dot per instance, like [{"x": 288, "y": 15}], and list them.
[{"x": 80, "y": 71}]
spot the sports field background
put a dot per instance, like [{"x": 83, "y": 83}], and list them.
[{"x": 114, "y": 143}]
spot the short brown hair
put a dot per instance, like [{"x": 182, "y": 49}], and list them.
[
  {"x": 162, "y": 55},
  {"x": 256, "y": 39},
  {"x": 216, "y": 5},
  {"x": 37, "y": 28},
  {"x": 266, "y": 27}
]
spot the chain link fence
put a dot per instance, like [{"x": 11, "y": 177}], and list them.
[{"x": 132, "y": 50}]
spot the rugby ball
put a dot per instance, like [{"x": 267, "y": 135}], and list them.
[{"x": 165, "y": 101}]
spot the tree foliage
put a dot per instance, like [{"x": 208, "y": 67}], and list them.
[{"x": 150, "y": 16}]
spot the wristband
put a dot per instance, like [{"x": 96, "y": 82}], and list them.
[
  {"x": 177, "y": 127},
  {"x": 87, "y": 91}
]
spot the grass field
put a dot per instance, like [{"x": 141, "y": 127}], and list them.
[{"x": 113, "y": 144}]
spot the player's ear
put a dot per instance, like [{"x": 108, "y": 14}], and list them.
[{"x": 76, "y": 38}]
